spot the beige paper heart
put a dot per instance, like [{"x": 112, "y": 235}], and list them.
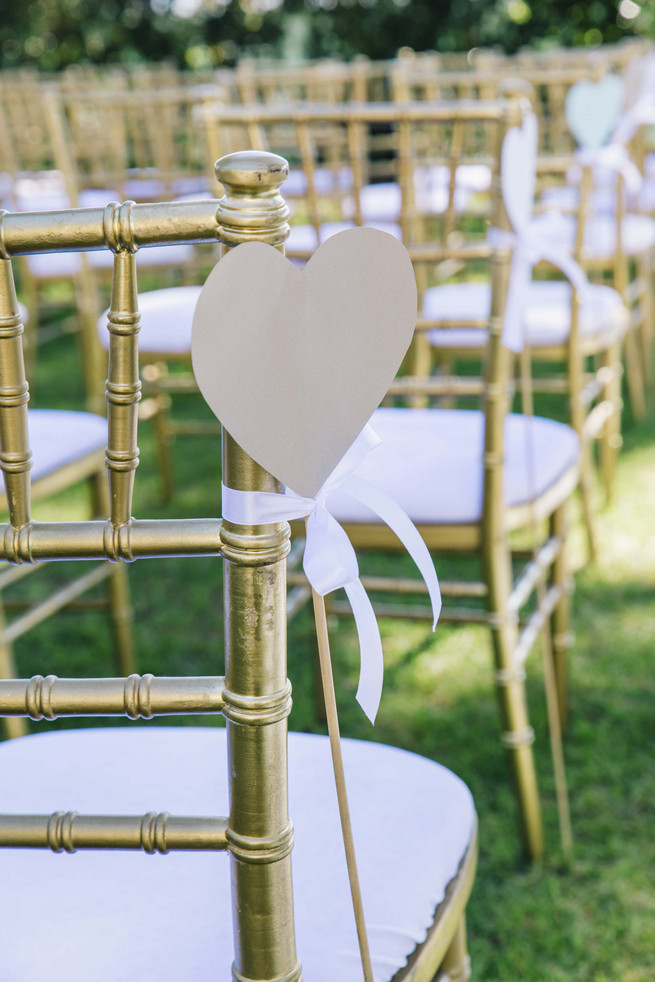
[{"x": 294, "y": 362}]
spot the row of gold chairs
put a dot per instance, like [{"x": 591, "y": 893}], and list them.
[
  {"x": 251, "y": 124},
  {"x": 504, "y": 489}
]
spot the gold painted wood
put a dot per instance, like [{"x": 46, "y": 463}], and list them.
[
  {"x": 137, "y": 697},
  {"x": 151, "y": 833},
  {"x": 256, "y": 687},
  {"x": 136, "y": 539}
]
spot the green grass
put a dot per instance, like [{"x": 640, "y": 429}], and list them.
[{"x": 593, "y": 921}]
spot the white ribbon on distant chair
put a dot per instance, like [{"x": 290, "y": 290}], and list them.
[
  {"x": 533, "y": 239},
  {"x": 330, "y": 561},
  {"x": 612, "y": 157},
  {"x": 641, "y": 113}
]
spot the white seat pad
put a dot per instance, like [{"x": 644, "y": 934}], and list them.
[
  {"x": 166, "y": 320},
  {"x": 430, "y": 461},
  {"x": 119, "y": 916},
  {"x": 638, "y": 235},
  {"x": 302, "y": 238},
  {"x": 547, "y": 316},
  {"x": 326, "y": 180},
  {"x": 60, "y": 436}
]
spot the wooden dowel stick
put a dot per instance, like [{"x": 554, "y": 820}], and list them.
[{"x": 340, "y": 780}]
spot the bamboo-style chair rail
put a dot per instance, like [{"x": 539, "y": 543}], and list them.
[
  {"x": 35, "y": 542},
  {"x": 137, "y": 697},
  {"x": 152, "y": 833}
]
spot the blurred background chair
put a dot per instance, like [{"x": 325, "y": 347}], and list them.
[{"x": 471, "y": 479}]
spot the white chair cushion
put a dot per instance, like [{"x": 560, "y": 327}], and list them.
[
  {"x": 547, "y": 316},
  {"x": 638, "y": 235},
  {"x": 430, "y": 461},
  {"x": 60, "y": 436},
  {"x": 383, "y": 202},
  {"x": 326, "y": 180},
  {"x": 52, "y": 265},
  {"x": 302, "y": 238},
  {"x": 166, "y": 320},
  {"x": 567, "y": 198},
  {"x": 120, "y": 916},
  {"x": 646, "y": 196}
]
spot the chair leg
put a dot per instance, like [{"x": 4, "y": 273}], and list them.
[
  {"x": 645, "y": 272},
  {"x": 163, "y": 436},
  {"x": 634, "y": 375},
  {"x": 457, "y": 964},
  {"x": 586, "y": 476},
  {"x": 14, "y": 726},
  {"x": 518, "y": 735},
  {"x": 610, "y": 440},
  {"x": 561, "y": 635}
]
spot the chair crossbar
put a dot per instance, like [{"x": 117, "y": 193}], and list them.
[
  {"x": 535, "y": 623},
  {"x": 120, "y": 227},
  {"x": 597, "y": 418},
  {"x": 152, "y": 833},
  {"x": 137, "y": 697},
  {"x": 533, "y": 571},
  {"x": 55, "y": 602},
  {"x": 39, "y": 542}
]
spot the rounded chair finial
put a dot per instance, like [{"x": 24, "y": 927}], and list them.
[{"x": 252, "y": 170}]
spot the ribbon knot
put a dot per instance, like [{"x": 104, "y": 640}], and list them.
[
  {"x": 613, "y": 157},
  {"x": 540, "y": 238},
  {"x": 330, "y": 561}
]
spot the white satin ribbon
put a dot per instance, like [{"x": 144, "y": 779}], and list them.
[
  {"x": 330, "y": 561},
  {"x": 539, "y": 238},
  {"x": 641, "y": 113},
  {"x": 612, "y": 157}
]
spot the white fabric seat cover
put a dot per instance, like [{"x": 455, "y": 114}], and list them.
[
  {"x": 547, "y": 315},
  {"x": 118, "y": 916},
  {"x": 302, "y": 238},
  {"x": 166, "y": 320},
  {"x": 61, "y": 436},
  {"x": 637, "y": 231},
  {"x": 430, "y": 461},
  {"x": 326, "y": 180},
  {"x": 383, "y": 202},
  {"x": 567, "y": 198}
]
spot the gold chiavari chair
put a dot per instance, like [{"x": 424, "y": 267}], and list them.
[
  {"x": 105, "y": 915},
  {"x": 471, "y": 480},
  {"x": 565, "y": 330},
  {"x": 612, "y": 240}
]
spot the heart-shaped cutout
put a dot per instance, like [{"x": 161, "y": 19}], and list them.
[
  {"x": 592, "y": 109},
  {"x": 294, "y": 362},
  {"x": 518, "y": 171}
]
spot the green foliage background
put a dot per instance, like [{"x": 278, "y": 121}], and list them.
[{"x": 52, "y": 34}]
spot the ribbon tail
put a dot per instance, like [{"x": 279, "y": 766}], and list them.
[
  {"x": 401, "y": 525},
  {"x": 371, "y": 665},
  {"x": 520, "y": 276},
  {"x": 565, "y": 262}
]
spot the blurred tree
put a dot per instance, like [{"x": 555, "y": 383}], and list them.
[{"x": 51, "y": 34}]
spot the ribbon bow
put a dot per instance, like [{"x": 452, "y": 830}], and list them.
[
  {"x": 615, "y": 158},
  {"x": 533, "y": 238},
  {"x": 330, "y": 561}
]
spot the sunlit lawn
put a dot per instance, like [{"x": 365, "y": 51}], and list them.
[{"x": 593, "y": 922}]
